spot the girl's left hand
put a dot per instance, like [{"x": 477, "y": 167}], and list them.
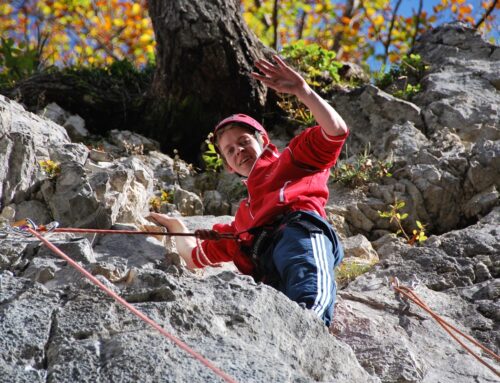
[{"x": 280, "y": 77}]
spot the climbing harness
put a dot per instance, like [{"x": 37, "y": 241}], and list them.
[
  {"x": 27, "y": 228},
  {"x": 409, "y": 294}
]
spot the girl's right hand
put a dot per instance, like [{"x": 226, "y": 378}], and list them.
[{"x": 173, "y": 225}]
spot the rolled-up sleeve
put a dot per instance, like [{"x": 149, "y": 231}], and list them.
[
  {"x": 314, "y": 148},
  {"x": 211, "y": 252}
]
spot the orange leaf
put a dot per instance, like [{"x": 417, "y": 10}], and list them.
[
  {"x": 465, "y": 9},
  {"x": 345, "y": 20}
]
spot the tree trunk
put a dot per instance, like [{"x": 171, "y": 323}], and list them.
[{"x": 205, "y": 54}]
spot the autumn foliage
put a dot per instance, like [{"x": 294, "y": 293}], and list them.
[
  {"x": 359, "y": 30},
  {"x": 44, "y": 33},
  {"x": 81, "y": 32}
]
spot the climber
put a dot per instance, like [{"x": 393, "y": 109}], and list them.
[{"x": 288, "y": 243}]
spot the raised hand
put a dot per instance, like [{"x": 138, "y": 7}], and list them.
[
  {"x": 280, "y": 77},
  {"x": 284, "y": 79}
]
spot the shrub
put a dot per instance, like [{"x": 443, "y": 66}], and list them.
[
  {"x": 409, "y": 72},
  {"x": 211, "y": 159},
  {"x": 361, "y": 171},
  {"x": 50, "y": 168},
  {"x": 418, "y": 235}
]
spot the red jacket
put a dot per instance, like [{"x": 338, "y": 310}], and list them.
[{"x": 277, "y": 184}]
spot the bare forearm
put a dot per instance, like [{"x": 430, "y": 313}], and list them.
[
  {"x": 185, "y": 246},
  {"x": 326, "y": 116}
]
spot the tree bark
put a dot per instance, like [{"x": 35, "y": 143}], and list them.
[{"x": 205, "y": 54}]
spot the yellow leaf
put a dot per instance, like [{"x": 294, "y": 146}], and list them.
[
  {"x": 6, "y": 9},
  {"x": 136, "y": 8},
  {"x": 379, "y": 20},
  {"x": 118, "y": 22},
  {"x": 370, "y": 11},
  {"x": 145, "y": 38},
  {"x": 78, "y": 49},
  {"x": 46, "y": 10}
]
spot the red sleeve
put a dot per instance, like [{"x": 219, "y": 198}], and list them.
[
  {"x": 211, "y": 252},
  {"x": 314, "y": 148}
]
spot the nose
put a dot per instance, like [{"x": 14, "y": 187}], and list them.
[{"x": 239, "y": 149}]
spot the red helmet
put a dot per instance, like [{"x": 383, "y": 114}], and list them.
[{"x": 241, "y": 119}]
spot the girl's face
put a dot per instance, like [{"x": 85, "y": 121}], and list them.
[{"x": 240, "y": 149}]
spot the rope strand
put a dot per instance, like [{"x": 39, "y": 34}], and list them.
[
  {"x": 132, "y": 309},
  {"x": 202, "y": 234},
  {"x": 411, "y": 295}
]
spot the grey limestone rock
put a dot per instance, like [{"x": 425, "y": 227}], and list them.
[{"x": 55, "y": 326}]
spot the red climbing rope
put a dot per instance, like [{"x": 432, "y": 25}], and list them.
[
  {"x": 202, "y": 234},
  {"x": 131, "y": 308},
  {"x": 411, "y": 295}
]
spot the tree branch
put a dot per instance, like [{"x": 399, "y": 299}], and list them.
[
  {"x": 387, "y": 43},
  {"x": 265, "y": 18},
  {"x": 417, "y": 25},
  {"x": 275, "y": 24},
  {"x": 375, "y": 29},
  {"x": 486, "y": 14},
  {"x": 300, "y": 25},
  {"x": 349, "y": 10}
]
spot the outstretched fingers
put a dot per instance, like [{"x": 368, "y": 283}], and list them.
[
  {"x": 265, "y": 66},
  {"x": 280, "y": 62}
]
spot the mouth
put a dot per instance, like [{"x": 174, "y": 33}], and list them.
[{"x": 244, "y": 161}]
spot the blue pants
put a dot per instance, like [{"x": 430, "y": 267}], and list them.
[{"x": 305, "y": 261}]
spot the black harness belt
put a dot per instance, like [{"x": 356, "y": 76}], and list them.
[{"x": 267, "y": 236}]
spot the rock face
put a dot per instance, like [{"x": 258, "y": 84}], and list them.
[{"x": 55, "y": 326}]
